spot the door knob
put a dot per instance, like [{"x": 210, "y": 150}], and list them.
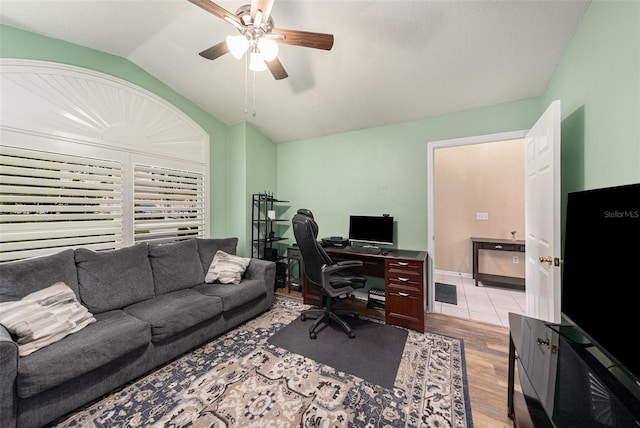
[{"x": 546, "y": 260}]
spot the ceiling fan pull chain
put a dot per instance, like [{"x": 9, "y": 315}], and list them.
[
  {"x": 254, "y": 94},
  {"x": 246, "y": 85}
]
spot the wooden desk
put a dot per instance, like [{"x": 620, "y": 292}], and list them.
[
  {"x": 496, "y": 245},
  {"x": 403, "y": 271}
]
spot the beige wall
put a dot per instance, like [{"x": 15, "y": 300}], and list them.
[{"x": 478, "y": 178}]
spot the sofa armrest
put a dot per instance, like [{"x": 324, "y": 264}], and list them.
[
  {"x": 9, "y": 371},
  {"x": 264, "y": 270}
]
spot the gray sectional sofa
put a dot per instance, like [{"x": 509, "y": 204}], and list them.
[{"x": 150, "y": 303}]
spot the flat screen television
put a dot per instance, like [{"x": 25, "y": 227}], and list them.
[
  {"x": 371, "y": 229},
  {"x": 601, "y": 271}
]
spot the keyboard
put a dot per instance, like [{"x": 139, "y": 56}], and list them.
[{"x": 363, "y": 250}]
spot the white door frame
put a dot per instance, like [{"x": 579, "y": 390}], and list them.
[{"x": 432, "y": 146}]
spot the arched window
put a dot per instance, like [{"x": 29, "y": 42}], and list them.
[{"x": 90, "y": 160}]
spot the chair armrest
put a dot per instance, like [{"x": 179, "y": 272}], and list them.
[
  {"x": 327, "y": 271},
  {"x": 9, "y": 370},
  {"x": 345, "y": 264}
]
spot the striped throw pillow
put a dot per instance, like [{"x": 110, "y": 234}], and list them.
[
  {"x": 44, "y": 317},
  {"x": 227, "y": 268}
]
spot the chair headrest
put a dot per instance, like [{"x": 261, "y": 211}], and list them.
[
  {"x": 306, "y": 212},
  {"x": 306, "y": 216}
]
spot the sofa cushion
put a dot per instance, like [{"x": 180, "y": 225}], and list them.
[
  {"x": 113, "y": 335},
  {"x": 114, "y": 279},
  {"x": 172, "y": 313},
  {"x": 207, "y": 248},
  {"x": 226, "y": 268},
  {"x": 234, "y": 295},
  {"x": 175, "y": 266},
  {"x": 19, "y": 278},
  {"x": 44, "y": 317}
]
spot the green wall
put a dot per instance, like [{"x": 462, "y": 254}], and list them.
[
  {"x": 237, "y": 183},
  {"x": 598, "y": 83},
  {"x": 382, "y": 170},
  {"x": 261, "y": 164}
]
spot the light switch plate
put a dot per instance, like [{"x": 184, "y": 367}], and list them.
[{"x": 482, "y": 216}]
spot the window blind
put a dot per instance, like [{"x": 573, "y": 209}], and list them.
[
  {"x": 168, "y": 204},
  {"x": 50, "y": 202}
]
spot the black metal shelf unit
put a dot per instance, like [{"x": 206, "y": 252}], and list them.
[{"x": 265, "y": 209}]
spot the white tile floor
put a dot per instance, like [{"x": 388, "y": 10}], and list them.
[{"x": 481, "y": 303}]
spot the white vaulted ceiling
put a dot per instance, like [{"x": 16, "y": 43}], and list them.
[{"x": 391, "y": 62}]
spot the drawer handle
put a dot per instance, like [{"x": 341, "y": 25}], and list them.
[
  {"x": 403, "y": 263},
  {"x": 403, "y": 279},
  {"x": 498, "y": 247},
  {"x": 403, "y": 294}
]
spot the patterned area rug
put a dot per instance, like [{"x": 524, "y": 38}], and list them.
[{"x": 241, "y": 380}]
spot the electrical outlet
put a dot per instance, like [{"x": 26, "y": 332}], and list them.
[
  {"x": 482, "y": 216},
  {"x": 516, "y": 259}
]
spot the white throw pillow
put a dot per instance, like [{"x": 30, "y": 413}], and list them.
[
  {"x": 44, "y": 317},
  {"x": 227, "y": 268}
]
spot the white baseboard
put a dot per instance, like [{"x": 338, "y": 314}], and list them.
[{"x": 450, "y": 273}]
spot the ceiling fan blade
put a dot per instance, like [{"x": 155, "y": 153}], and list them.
[
  {"x": 215, "y": 51},
  {"x": 263, "y": 5},
  {"x": 216, "y": 10},
  {"x": 276, "y": 68},
  {"x": 304, "y": 38}
]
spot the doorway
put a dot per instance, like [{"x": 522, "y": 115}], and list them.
[{"x": 461, "y": 204}]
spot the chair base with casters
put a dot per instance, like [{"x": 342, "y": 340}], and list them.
[
  {"x": 334, "y": 286},
  {"x": 325, "y": 315}
]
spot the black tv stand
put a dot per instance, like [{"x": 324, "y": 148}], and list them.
[{"x": 565, "y": 380}]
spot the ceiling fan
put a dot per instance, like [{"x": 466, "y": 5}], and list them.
[{"x": 258, "y": 37}]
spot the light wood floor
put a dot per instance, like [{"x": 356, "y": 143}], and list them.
[{"x": 486, "y": 352}]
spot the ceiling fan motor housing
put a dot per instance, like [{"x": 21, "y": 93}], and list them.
[{"x": 244, "y": 13}]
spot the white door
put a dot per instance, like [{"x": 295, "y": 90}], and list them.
[{"x": 542, "y": 216}]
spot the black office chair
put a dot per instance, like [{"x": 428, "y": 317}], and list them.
[{"x": 331, "y": 280}]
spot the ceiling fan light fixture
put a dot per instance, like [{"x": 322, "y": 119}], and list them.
[
  {"x": 256, "y": 62},
  {"x": 268, "y": 48},
  {"x": 258, "y": 18},
  {"x": 237, "y": 45},
  {"x": 246, "y": 18}
]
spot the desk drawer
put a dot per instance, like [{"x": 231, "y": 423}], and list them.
[
  {"x": 404, "y": 309},
  {"x": 405, "y": 276},
  {"x": 500, "y": 246},
  {"x": 404, "y": 265},
  {"x": 404, "y": 283}
]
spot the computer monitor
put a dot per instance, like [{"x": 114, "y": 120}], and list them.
[{"x": 371, "y": 229}]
